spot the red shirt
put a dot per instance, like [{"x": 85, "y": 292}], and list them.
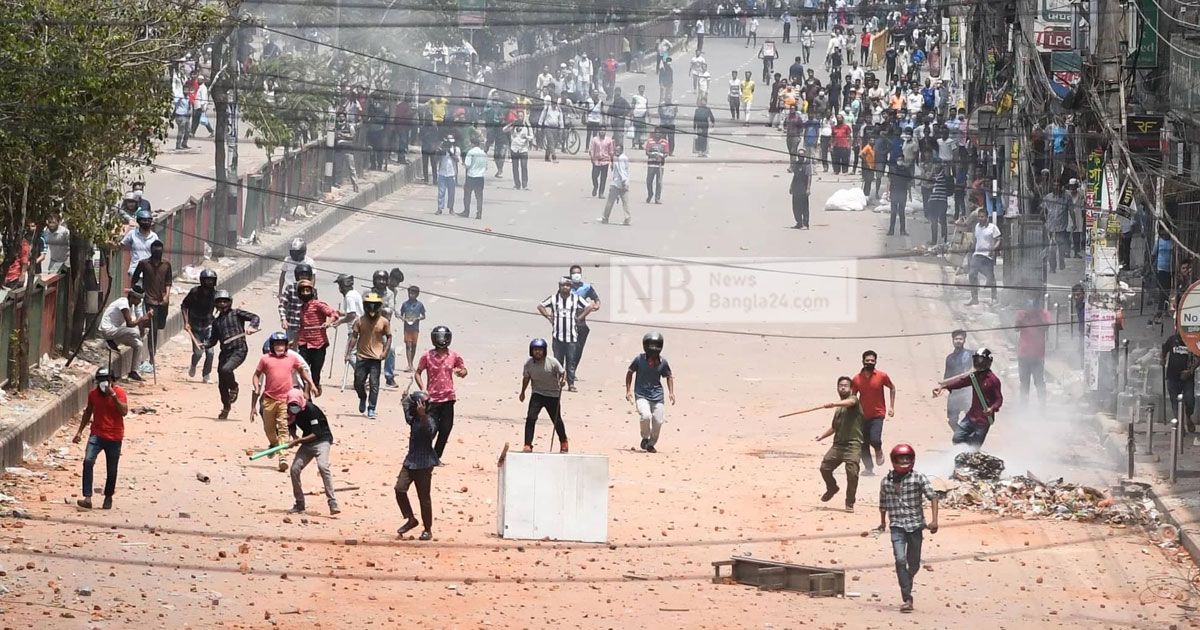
[
  {"x": 870, "y": 392},
  {"x": 841, "y": 136},
  {"x": 19, "y": 264},
  {"x": 278, "y": 374},
  {"x": 865, "y": 42},
  {"x": 107, "y": 422},
  {"x": 1031, "y": 340},
  {"x": 313, "y": 315}
]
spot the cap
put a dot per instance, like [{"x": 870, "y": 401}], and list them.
[{"x": 1073, "y": 182}]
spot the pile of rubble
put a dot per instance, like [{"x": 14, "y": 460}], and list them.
[{"x": 977, "y": 484}]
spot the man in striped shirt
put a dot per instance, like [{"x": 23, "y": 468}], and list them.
[{"x": 564, "y": 310}]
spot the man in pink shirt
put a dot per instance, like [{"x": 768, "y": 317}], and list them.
[
  {"x": 272, "y": 382},
  {"x": 442, "y": 364},
  {"x": 601, "y": 153}
]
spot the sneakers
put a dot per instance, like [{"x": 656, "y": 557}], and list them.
[
  {"x": 410, "y": 524},
  {"x": 562, "y": 447},
  {"x": 283, "y": 467},
  {"x": 296, "y": 509},
  {"x": 370, "y": 414},
  {"x": 391, "y": 382},
  {"x": 907, "y": 606},
  {"x": 146, "y": 367},
  {"x": 528, "y": 448},
  {"x": 107, "y": 505},
  {"x": 879, "y": 458},
  {"x": 224, "y": 415},
  {"x": 334, "y": 509},
  {"x": 625, "y": 222},
  {"x": 134, "y": 376},
  {"x": 571, "y": 388},
  {"x": 207, "y": 379},
  {"x": 192, "y": 371},
  {"x": 602, "y": 220},
  {"x": 829, "y": 494},
  {"x": 425, "y": 535},
  {"x": 85, "y": 503},
  {"x": 850, "y": 508}
]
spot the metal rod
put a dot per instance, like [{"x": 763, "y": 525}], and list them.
[
  {"x": 1130, "y": 445},
  {"x": 1179, "y": 416},
  {"x": 1174, "y": 450},
  {"x": 1150, "y": 431},
  {"x": 1125, "y": 382},
  {"x": 1057, "y": 319}
]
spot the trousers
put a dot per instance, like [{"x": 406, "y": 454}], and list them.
[
  {"x": 1032, "y": 370},
  {"x": 614, "y": 193},
  {"x": 232, "y": 356},
  {"x": 366, "y": 380},
  {"x": 198, "y": 351},
  {"x": 423, "y": 478},
  {"x": 652, "y": 415},
  {"x": 599, "y": 178},
  {"x": 443, "y": 418},
  {"x": 447, "y": 187},
  {"x": 800, "y": 208},
  {"x": 567, "y": 353},
  {"x": 305, "y": 454},
  {"x": 473, "y": 186},
  {"x": 872, "y": 439},
  {"x": 112, "y": 456},
  {"x": 315, "y": 358},
  {"x": 906, "y": 548},
  {"x": 654, "y": 175},
  {"x": 275, "y": 420},
  {"x": 553, "y": 407},
  {"x": 981, "y": 264},
  {"x": 838, "y": 455}
]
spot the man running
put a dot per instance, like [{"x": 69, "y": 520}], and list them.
[
  {"x": 412, "y": 311},
  {"x": 847, "y": 432},
  {"x": 418, "y": 465},
  {"x": 983, "y": 261},
  {"x": 370, "y": 340},
  {"x": 197, "y": 309},
  {"x": 644, "y": 379},
  {"x": 107, "y": 406},
  {"x": 290, "y": 303},
  {"x": 306, "y": 416},
  {"x": 229, "y": 330},
  {"x": 902, "y": 494},
  {"x": 548, "y": 378},
  {"x": 316, "y": 317},
  {"x": 272, "y": 382},
  {"x": 297, "y": 255},
  {"x": 986, "y": 400},
  {"x": 869, "y": 384},
  {"x": 442, "y": 364}
]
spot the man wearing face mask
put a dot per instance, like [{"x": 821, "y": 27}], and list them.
[
  {"x": 370, "y": 341},
  {"x": 197, "y": 307},
  {"x": 107, "y": 406},
  {"x": 869, "y": 384},
  {"x": 229, "y": 330},
  {"x": 123, "y": 322},
  {"x": 303, "y": 414},
  {"x": 290, "y": 304},
  {"x": 155, "y": 275},
  {"x": 316, "y": 317},
  {"x": 587, "y": 291},
  {"x": 138, "y": 240},
  {"x": 272, "y": 382},
  {"x": 986, "y": 400}
]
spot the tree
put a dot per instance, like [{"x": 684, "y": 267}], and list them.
[{"x": 83, "y": 86}]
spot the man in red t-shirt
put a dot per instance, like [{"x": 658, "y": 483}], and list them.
[
  {"x": 273, "y": 382},
  {"x": 869, "y": 384},
  {"x": 105, "y": 411},
  {"x": 840, "y": 141},
  {"x": 1032, "y": 323}
]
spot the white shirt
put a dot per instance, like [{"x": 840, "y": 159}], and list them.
[
  {"x": 985, "y": 239},
  {"x": 735, "y": 88},
  {"x": 946, "y": 148},
  {"x": 857, "y": 74},
  {"x": 114, "y": 319},
  {"x": 697, "y": 64},
  {"x": 139, "y": 246},
  {"x": 201, "y": 97},
  {"x": 352, "y": 303},
  {"x": 699, "y": 27},
  {"x": 620, "y": 171},
  {"x": 477, "y": 162},
  {"x": 754, "y": 25},
  {"x": 639, "y": 105},
  {"x": 544, "y": 79},
  {"x": 914, "y": 102},
  {"x": 289, "y": 267},
  {"x": 806, "y": 38}
]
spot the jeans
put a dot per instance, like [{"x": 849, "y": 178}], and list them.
[
  {"x": 800, "y": 208},
  {"x": 1035, "y": 370},
  {"x": 581, "y": 334},
  {"x": 183, "y": 126},
  {"x": 201, "y": 335},
  {"x": 366, "y": 374},
  {"x": 906, "y": 548},
  {"x": 957, "y": 404},
  {"x": 981, "y": 264},
  {"x": 654, "y": 176},
  {"x": 735, "y": 103},
  {"x": 315, "y": 358},
  {"x": 442, "y": 414},
  {"x": 899, "y": 195},
  {"x": 232, "y": 356},
  {"x": 970, "y": 433},
  {"x": 599, "y": 178},
  {"x": 423, "y": 478},
  {"x": 305, "y": 453},
  {"x": 389, "y": 366},
  {"x": 520, "y": 169},
  {"x": 651, "y": 414},
  {"x": 473, "y": 186},
  {"x": 553, "y": 407},
  {"x": 834, "y": 457},
  {"x": 935, "y": 211},
  {"x": 872, "y": 439},
  {"x": 446, "y": 188},
  {"x": 112, "y": 456},
  {"x": 567, "y": 353},
  {"x": 1187, "y": 387}
]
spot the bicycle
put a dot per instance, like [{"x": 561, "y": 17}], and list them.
[{"x": 570, "y": 139}]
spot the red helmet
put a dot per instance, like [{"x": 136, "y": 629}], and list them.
[{"x": 906, "y": 451}]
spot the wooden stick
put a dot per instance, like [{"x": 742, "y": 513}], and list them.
[
  {"x": 796, "y": 413},
  {"x": 943, "y": 383}
]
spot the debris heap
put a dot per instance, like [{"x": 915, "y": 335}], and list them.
[{"x": 977, "y": 484}]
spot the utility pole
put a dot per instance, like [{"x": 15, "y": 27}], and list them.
[
  {"x": 233, "y": 188},
  {"x": 222, "y": 76}
]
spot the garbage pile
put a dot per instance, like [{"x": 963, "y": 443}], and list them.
[{"x": 977, "y": 484}]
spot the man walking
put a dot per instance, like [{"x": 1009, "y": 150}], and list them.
[
  {"x": 316, "y": 317},
  {"x": 442, "y": 364},
  {"x": 620, "y": 185},
  {"x": 643, "y": 387},
  {"x": 306, "y": 416},
  {"x": 370, "y": 340},
  {"x": 272, "y": 381},
  {"x": 958, "y": 362},
  {"x": 847, "y": 433},
  {"x": 563, "y": 310},
  {"x": 107, "y": 406},
  {"x": 586, "y": 291},
  {"x": 1179, "y": 368},
  {"x": 548, "y": 378},
  {"x": 983, "y": 261},
  {"x": 656, "y": 158},
  {"x": 447, "y": 175},
  {"x": 229, "y": 330},
  {"x": 1033, "y": 325},
  {"x": 1058, "y": 220},
  {"x": 985, "y": 402},
  {"x": 155, "y": 276},
  {"x": 869, "y": 384},
  {"x": 476, "y": 167},
  {"x": 601, "y": 153},
  {"x": 902, "y": 495},
  {"x": 800, "y": 187}
]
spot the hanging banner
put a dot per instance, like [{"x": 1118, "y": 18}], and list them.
[
  {"x": 955, "y": 38},
  {"x": 1095, "y": 175},
  {"x": 1145, "y": 54},
  {"x": 1144, "y": 134}
]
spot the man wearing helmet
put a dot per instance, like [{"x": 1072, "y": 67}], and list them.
[
  {"x": 107, "y": 406},
  {"x": 370, "y": 340},
  {"x": 902, "y": 494},
  {"x": 442, "y": 365},
  {"x": 847, "y": 443},
  {"x": 272, "y": 381},
  {"x": 297, "y": 255},
  {"x": 419, "y": 463},
  {"x": 985, "y": 385},
  {"x": 229, "y": 330},
  {"x": 548, "y": 378},
  {"x": 647, "y": 370},
  {"x": 290, "y": 303},
  {"x": 138, "y": 240},
  {"x": 197, "y": 309},
  {"x": 123, "y": 322},
  {"x": 316, "y": 317},
  {"x": 381, "y": 284}
]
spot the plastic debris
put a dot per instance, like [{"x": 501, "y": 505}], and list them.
[{"x": 977, "y": 465}]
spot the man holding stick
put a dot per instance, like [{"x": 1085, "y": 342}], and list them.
[
  {"x": 311, "y": 421},
  {"x": 229, "y": 330},
  {"x": 973, "y": 429},
  {"x": 847, "y": 432}
]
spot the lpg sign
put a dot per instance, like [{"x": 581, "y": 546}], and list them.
[{"x": 1054, "y": 38}]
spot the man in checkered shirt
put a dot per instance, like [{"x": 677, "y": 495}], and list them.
[{"x": 901, "y": 501}]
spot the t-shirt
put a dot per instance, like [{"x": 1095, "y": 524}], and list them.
[
  {"x": 870, "y": 392},
  {"x": 114, "y": 319},
  {"x": 1031, "y": 340},
  {"x": 440, "y": 368},
  {"x": 985, "y": 239},
  {"x": 107, "y": 423},
  {"x": 59, "y": 243},
  {"x": 139, "y": 246},
  {"x": 278, "y": 372},
  {"x": 313, "y": 315},
  {"x": 544, "y": 376},
  {"x": 647, "y": 379},
  {"x": 412, "y": 310},
  {"x": 1162, "y": 254},
  {"x": 1178, "y": 357},
  {"x": 735, "y": 88},
  {"x": 848, "y": 425},
  {"x": 371, "y": 332}
]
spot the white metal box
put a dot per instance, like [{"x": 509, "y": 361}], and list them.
[{"x": 554, "y": 496}]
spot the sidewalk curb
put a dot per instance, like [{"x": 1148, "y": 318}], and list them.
[{"x": 73, "y": 399}]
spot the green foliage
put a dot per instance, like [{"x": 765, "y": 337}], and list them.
[{"x": 284, "y": 97}]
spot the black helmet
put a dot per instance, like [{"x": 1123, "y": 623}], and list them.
[
  {"x": 652, "y": 342},
  {"x": 537, "y": 343},
  {"x": 344, "y": 280},
  {"x": 302, "y": 271},
  {"x": 396, "y": 275},
  {"x": 205, "y": 276},
  {"x": 379, "y": 278},
  {"x": 144, "y": 216},
  {"x": 104, "y": 374},
  {"x": 297, "y": 249},
  {"x": 441, "y": 336},
  {"x": 982, "y": 359}
]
